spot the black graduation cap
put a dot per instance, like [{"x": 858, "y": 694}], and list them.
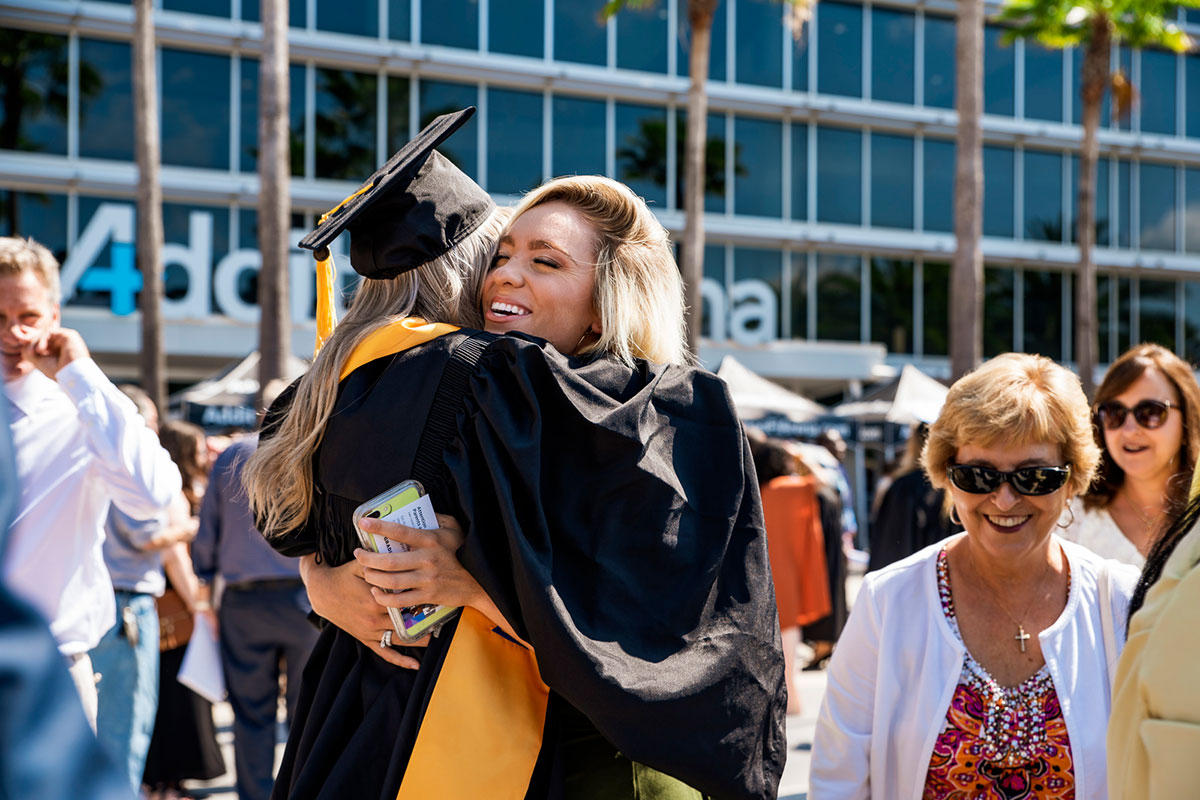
[{"x": 415, "y": 208}]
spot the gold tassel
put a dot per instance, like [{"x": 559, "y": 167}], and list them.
[
  {"x": 1195, "y": 490},
  {"x": 326, "y": 315}
]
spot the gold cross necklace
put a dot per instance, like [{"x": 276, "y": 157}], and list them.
[{"x": 1021, "y": 637}]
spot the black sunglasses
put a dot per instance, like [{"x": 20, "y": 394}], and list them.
[
  {"x": 1033, "y": 481},
  {"x": 1147, "y": 413}
]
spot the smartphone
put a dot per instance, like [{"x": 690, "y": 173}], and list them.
[{"x": 407, "y": 504}]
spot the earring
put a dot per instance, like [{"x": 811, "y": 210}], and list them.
[
  {"x": 586, "y": 333},
  {"x": 1071, "y": 511},
  {"x": 954, "y": 516}
]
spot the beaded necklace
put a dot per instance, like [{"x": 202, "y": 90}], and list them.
[{"x": 1014, "y": 731}]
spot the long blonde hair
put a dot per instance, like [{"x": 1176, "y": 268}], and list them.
[
  {"x": 279, "y": 476},
  {"x": 639, "y": 293}
]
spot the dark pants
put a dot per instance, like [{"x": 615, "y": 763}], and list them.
[{"x": 261, "y": 624}]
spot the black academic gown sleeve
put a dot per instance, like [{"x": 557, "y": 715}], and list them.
[{"x": 614, "y": 518}]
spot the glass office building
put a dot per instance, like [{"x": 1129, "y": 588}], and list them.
[{"x": 828, "y": 194}]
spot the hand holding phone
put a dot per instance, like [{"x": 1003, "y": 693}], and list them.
[{"x": 407, "y": 504}]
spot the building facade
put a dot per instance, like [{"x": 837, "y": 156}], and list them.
[{"x": 829, "y": 186}]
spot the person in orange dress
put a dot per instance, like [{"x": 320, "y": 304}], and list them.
[{"x": 796, "y": 547}]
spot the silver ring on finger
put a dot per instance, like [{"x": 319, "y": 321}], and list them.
[{"x": 386, "y": 640}]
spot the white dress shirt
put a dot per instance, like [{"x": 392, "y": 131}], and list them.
[
  {"x": 79, "y": 444},
  {"x": 1095, "y": 529},
  {"x": 898, "y": 663}
]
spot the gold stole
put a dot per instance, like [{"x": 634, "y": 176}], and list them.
[{"x": 482, "y": 730}]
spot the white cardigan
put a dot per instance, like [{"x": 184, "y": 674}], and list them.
[{"x": 898, "y": 663}]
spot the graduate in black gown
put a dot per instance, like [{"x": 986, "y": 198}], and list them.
[{"x": 608, "y": 510}]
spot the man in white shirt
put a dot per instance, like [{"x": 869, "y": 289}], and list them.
[{"x": 79, "y": 444}]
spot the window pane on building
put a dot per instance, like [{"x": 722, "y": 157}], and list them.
[
  {"x": 757, "y": 305},
  {"x": 177, "y": 229},
  {"x": 839, "y": 48},
  {"x": 759, "y": 49},
  {"x": 1157, "y": 98},
  {"x": 891, "y": 181},
  {"x": 642, "y": 38},
  {"x": 297, "y": 12},
  {"x": 452, "y": 23},
  {"x": 578, "y": 136},
  {"x": 1191, "y": 210},
  {"x": 1192, "y": 83},
  {"x": 443, "y": 97},
  {"x": 939, "y": 61},
  {"x": 515, "y": 27},
  {"x": 1191, "y": 321},
  {"x": 1156, "y": 312},
  {"x": 1043, "y": 82},
  {"x": 355, "y": 17},
  {"x": 799, "y": 295},
  {"x": 641, "y": 151},
  {"x": 799, "y": 171},
  {"x": 39, "y": 216},
  {"x": 346, "y": 108},
  {"x": 106, "y": 110},
  {"x": 999, "y": 73},
  {"x": 935, "y": 304},
  {"x": 714, "y": 162},
  {"x": 1043, "y": 196},
  {"x": 997, "y": 311},
  {"x": 1156, "y": 205},
  {"x": 399, "y": 20},
  {"x": 212, "y": 8},
  {"x": 1124, "y": 288},
  {"x": 33, "y": 96},
  {"x": 1104, "y": 287},
  {"x": 580, "y": 35},
  {"x": 998, "y": 192},
  {"x": 1042, "y": 313},
  {"x": 893, "y": 43},
  {"x": 103, "y": 298},
  {"x": 839, "y": 297},
  {"x": 514, "y": 141},
  {"x": 938, "y": 202},
  {"x": 399, "y": 91},
  {"x": 1100, "y": 202},
  {"x": 248, "y": 153},
  {"x": 717, "y": 51},
  {"x": 800, "y": 60},
  {"x": 195, "y": 109},
  {"x": 839, "y": 175},
  {"x": 892, "y": 304},
  {"x": 758, "y": 186},
  {"x": 714, "y": 270}
]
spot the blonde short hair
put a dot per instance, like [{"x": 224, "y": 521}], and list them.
[
  {"x": 19, "y": 255},
  {"x": 639, "y": 292},
  {"x": 1015, "y": 398}
]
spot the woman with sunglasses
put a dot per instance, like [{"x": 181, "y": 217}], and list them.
[
  {"x": 1146, "y": 411},
  {"x": 980, "y": 665}
]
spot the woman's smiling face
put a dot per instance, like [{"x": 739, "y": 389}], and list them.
[
  {"x": 543, "y": 278},
  {"x": 1147, "y": 453}
]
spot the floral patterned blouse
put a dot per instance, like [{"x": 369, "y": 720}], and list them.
[{"x": 999, "y": 743}]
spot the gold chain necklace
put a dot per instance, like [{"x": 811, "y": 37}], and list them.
[
  {"x": 1021, "y": 636},
  {"x": 1148, "y": 520}
]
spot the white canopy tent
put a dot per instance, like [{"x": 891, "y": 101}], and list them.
[
  {"x": 909, "y": 398},
  {"x": 756, "y": 397}
]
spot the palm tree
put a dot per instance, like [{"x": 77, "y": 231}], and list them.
[
  {"x": 700, "y": 21},
  {"x": 274, "y": 207},
  {"x": 153, "y": 359},
  {"x": 966, "y": 273},
  {"x": 1094, "y": 25}
]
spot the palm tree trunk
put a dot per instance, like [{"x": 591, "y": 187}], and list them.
[
  {"x": 274, "y": 332},
  {"x": 153, "y": 360},
  {"x": 1093, "y": 79},
  {"x": 700, "y": 19},
  {"x": 966, "y": 277}
]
